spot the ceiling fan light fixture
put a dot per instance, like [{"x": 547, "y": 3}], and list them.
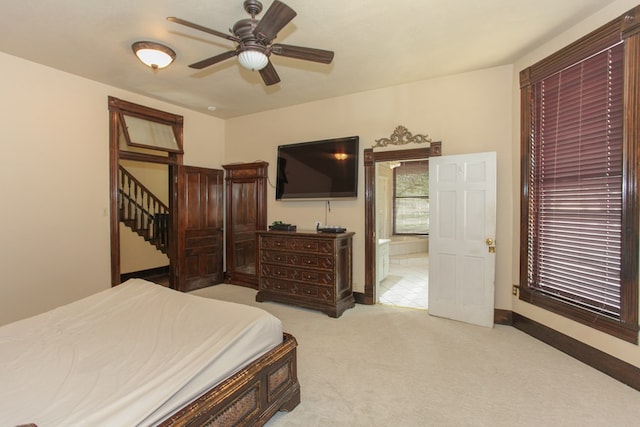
[
  {"x": 154, "y": 55},
  {"x": 253, "y": 60}
]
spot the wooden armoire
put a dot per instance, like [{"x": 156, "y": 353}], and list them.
[{"x": 246, "y": 213}]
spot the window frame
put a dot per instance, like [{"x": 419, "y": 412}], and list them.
[
  {"x": 627, "y": 28},
  {"x": 396, "y": 197},
  {"x": 161, "y": 136}
]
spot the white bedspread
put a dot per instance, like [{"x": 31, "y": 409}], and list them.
[{"x": 126, "y": 356}]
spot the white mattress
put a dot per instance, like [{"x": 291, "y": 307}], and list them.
[{"x": 126, "y": 356}]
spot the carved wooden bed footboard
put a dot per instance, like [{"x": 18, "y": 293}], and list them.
[{"x": 249, "y": 397}]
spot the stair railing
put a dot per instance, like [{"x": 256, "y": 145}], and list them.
[{"x": 142, "y": 211}]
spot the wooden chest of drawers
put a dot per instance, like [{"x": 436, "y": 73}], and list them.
[{"x": 307, "y": 269}]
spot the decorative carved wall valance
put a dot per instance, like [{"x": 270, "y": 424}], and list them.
[{"x": 402, "y": 136}]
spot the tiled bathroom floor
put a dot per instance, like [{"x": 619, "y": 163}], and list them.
[{"x": 407, "y": 283}]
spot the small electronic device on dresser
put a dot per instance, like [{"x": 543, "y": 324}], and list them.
[
  {"x": 280, "y": 226},
  {"x": 330, "y": 229}
]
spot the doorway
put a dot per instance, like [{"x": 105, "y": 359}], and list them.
[
  {"x": 142, "y": 135},
  {"x": 144, "y": 188},
  {"x": 371, "y": 158},
  {"x": 402, "y": 227}
]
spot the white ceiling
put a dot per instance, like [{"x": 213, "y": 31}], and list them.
[{"x": 377, "y": 43}]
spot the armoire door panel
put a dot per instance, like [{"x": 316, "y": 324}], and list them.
[{"x": 246, "y": 214}]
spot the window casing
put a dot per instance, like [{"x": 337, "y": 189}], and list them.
[{"x": 579, "y": 213}]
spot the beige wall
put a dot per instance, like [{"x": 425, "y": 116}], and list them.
[
  {"x": 604, "y": 342},
  {"x": 468, "y": 112},
  {"x": 54, "y": 170}
]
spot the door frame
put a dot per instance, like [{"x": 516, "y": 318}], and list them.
[
  {"x": 116, "y": 107},
  {"x": 370, "y": 158}
]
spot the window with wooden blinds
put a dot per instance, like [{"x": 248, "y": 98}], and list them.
[
  {"x": 578, "y": 169},
  {"x": 575, "y": 184}
]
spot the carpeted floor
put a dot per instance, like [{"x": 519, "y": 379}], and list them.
[{"x": 387, "y": 366}]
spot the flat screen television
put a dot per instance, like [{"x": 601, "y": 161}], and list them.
[{"x": 318, "y": 170}]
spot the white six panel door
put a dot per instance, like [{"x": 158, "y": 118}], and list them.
[{"x": 462, "y": 196}]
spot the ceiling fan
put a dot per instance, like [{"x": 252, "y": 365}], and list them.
[{"x": 254, "y": 41}]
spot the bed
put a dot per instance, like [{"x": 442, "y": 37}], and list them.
[{"x": 139, "y": 354}]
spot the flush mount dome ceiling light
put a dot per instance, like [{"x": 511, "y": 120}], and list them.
[{"x": 154, "y": 55}]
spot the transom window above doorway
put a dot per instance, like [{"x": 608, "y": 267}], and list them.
[{"x": 145, "y": 133}]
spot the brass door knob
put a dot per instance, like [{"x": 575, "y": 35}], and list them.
[{"x": 490, "y": 242}]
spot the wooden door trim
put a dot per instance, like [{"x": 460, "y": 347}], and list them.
[
  {"x": 370, "y": 159},
  {"x": 115, "y": 154}
]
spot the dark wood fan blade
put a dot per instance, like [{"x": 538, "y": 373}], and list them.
[
  {"x": 277, "y": 16},
  {"x": 201, "y": 28},
  {"x": 213, "y": 60},
  {"x": 304, "y": 53},
  {"x": 269, "y": 75}
]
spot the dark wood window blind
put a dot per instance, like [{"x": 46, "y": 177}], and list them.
[
  {"x": 575, "y": 186},
  {"x": 577, "y": 207}
]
